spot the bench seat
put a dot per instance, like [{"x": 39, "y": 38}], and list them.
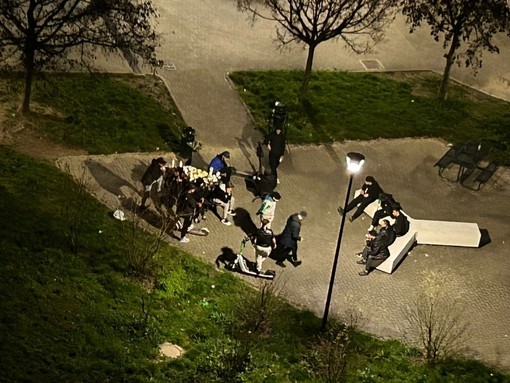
[{"x": 426, "y": 232}]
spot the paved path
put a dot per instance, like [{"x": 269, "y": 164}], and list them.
[{"x": 205, "y": 39}]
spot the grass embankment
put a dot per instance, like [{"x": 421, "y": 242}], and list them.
[
  {"x": 77, "y": 316},
  {"x": 352, "y": 106}
]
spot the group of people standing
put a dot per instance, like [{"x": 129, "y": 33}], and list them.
[
  {"x": 191, "y": 199},
  {"x": 377, "y": 242}
]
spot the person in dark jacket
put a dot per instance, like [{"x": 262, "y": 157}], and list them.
[
  {"x": 264, "y": 242},
  {"x": 386, "y": 206},
  {"x": 275, "y": 142},
  {"x": 401, "y": 224},
  {"x": 152, "y": 176},
  {"x": 375, "y": 252},
  {"x": 289, "y": 238},
  {"x": 369, "y": 192},
  {"x": 186, "y": 209},
  {"x": 222, "y": 196}
]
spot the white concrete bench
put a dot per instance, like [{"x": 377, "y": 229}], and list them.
[{"x": 426, "y": 232}]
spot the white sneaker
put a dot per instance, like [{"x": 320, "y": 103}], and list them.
[
  {"x": 278, "y": 181},
  {"x": 184, "y": 240},
  {"x": 226, "y": 222},
  {"x": 191, "y": 227},
  {"x": 232, "y": 213}
]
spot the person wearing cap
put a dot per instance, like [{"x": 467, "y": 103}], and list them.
[
  {"x": 152, "y": 176},
  {"x": 221, "y": 164},
  {"x": 369, "y": 192},
  {"x": 268, "y": 207},
  {"x": 289, "y": 238},
  {"x": 264, "y": 242}
]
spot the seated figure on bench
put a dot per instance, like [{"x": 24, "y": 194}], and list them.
[
  {"x": 375, "y": 251},
  {"x": 401, "y": 224},
  {"x": 386, "y": 205},
  {"x": 369, "y": 192}
]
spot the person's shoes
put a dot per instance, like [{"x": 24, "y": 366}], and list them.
[
  {"x": 204, "y": 217},
  {"x": 296, "y": 263},
  {"x": 278, "y": 181},
  {"x": 184, "y": 240},
  {"x": 340, "y": 210},
  {"x": 232, "y": 213},
  {"x": 360, "y": 254},
  {"x": 371, "y": 227},
  {"x": 226, "y": 222},
  {"x": 363, "y": 273},
  {"x": 281, "y": 264},
  {"x": 191, "y": 227},
  {"x": 351, "y": 219},
  {"x": 361, "y": 262}
]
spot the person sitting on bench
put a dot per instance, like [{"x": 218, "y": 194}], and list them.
[
  {"x": 401, "y": 224},
  {"x": 375, "y": 252},
  {"x": 369, "y": 192},
  {"x": 386, "y": 205}
]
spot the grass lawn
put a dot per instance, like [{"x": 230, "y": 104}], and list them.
[
  {"x": 101, "y": 114},
  {"x": 363, "y": 106}
]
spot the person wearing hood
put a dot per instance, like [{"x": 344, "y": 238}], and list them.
[
  {"x": 268, "y": 207},
  {"x": 289, "y": 238}
]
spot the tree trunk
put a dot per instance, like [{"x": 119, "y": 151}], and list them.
[
  {"x": 29, "y": 56},
  {"x": 29, "y": 75},
  {"x": 450, "y": 59},
  {"x": 303, "y": 91}
]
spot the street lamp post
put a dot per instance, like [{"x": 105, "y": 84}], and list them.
[{"x": 354, "y": 163}]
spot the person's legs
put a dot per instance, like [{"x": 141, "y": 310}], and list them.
[
  {"x": 231, "y": 206},
  {"x": 360, "y": 209},
  {"x": 146, "y": 194},
  {"x": 351, "y": 205},
  {"x": 185, "y": 226},
  {"x": 371, "y": 264},
  {"x": 224, "y": 206},
  {"x": 262, "y": 253}
]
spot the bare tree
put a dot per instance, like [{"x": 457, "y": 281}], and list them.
[
  {"x": 468, "y": 24},
  {"x": 42, "y": 33},
  {"x": 435, "y": 320},
  {"x": 359, "y": 23}
]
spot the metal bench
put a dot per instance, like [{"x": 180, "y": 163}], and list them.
[{"x": 486, "y": 174}]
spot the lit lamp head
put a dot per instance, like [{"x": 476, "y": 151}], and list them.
[{"x": 355, "y": 161}]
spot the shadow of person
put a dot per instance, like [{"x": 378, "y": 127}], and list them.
[
  {"x": 227, "y": 258},
  {"x": 243, "y": 220},
  {"x": 108, "y": 180}
]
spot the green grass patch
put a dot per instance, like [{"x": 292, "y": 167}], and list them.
[
  {"x": 75, "y": 314},
  {"x": 362, "y": 106},
  {"x": 101, "y": 113}
]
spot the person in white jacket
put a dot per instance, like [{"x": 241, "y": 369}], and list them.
[{"x": 268, "y": 208}]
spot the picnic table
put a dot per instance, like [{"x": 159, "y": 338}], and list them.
[{"x": 466, "y": 156}]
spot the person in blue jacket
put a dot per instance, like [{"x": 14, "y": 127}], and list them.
[{"x": 221, "y": 164}]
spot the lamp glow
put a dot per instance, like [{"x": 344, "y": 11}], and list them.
[{"x": 355, "y": 162}]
